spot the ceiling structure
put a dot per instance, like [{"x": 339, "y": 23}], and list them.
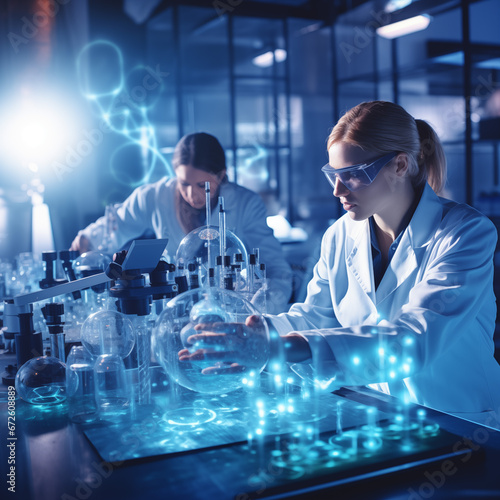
[{"x": 324, "y": 10}]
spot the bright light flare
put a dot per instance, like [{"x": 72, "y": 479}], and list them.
[{"x": 37, "y": 130}]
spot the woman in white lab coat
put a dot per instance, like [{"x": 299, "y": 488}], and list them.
[
  {"x": 402, "y": 295},
  {"x": 173, "y": 207}
]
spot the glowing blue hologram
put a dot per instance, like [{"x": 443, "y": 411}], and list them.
[
  {"x": 100, "y": 70},
  {"x": 192, "y": 417},
  {"x": 123, "y": 103},
  {"x": 408, "y": 341},
  {"x": 144, "y": 87},
  {"x": 133, "y": 163}
]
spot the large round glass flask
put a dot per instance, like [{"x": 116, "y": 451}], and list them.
[
  {"x": 235, "y": 358},
  {"x": 42, "y": 381},
  {"x": 108, "y": 332},
  {"x": 204, "y": 241}
]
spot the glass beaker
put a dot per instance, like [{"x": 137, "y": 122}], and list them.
[
  {"x": 112, "y": 388},
  {"x": 80, "y": 386}
]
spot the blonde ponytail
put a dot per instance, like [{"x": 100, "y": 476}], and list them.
[
  {"x": 431, "y": 159},
  {"x": 383, "y": 127}
]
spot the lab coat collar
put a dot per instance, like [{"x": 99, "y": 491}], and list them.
[
  {"x": 426, "y": 218},
  {"x": 414, "y": 240},
  {"x": 408, "y": 255}
]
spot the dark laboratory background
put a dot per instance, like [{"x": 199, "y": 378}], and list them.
[{"x": 95, "y": 94}]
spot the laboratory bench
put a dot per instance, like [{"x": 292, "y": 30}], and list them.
[{"x": 56, "y": 459}]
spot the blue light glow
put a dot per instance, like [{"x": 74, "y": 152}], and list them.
[{"x": 119, "y": 101}]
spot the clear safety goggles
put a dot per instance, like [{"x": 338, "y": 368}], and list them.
[{"x": 357, "y": 176}]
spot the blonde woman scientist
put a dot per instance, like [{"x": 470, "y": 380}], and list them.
[{"x": 402, "y": 295}]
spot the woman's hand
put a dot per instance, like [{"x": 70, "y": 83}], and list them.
[
  {"x": 231, "y": 346},
  {"x": 81, "y": 244}
]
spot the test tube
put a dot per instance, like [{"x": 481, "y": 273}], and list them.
[
  {"x": 222, "y": 227},
  {"x": 219, "y": 275},
  {"x": 264, "y": 287},
  {"x": 251, "y": 272},
  {"x": 237, "y": 271},
  {"x": 211, "y": 277},
  {"x": 227, "y": 274},
  {"x": 194, "y": 281},
  {"x": 209, "y": 215}
]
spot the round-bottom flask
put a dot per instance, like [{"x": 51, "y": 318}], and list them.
[{"x": 42, "y": 381}]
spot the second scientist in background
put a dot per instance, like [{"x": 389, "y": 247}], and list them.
[{"x": 173, "y": 207}]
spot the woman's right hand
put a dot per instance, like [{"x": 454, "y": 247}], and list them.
[
  {"x": 81, "y": 244},
  {"x": 227, "y": 345}
]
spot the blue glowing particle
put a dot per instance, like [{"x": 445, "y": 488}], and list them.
[{"x": 356, "y": 360}]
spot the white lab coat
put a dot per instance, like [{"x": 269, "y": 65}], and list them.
[
  {"x": 427, "y": 331},
  {"x": 152, "y": 207}
]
